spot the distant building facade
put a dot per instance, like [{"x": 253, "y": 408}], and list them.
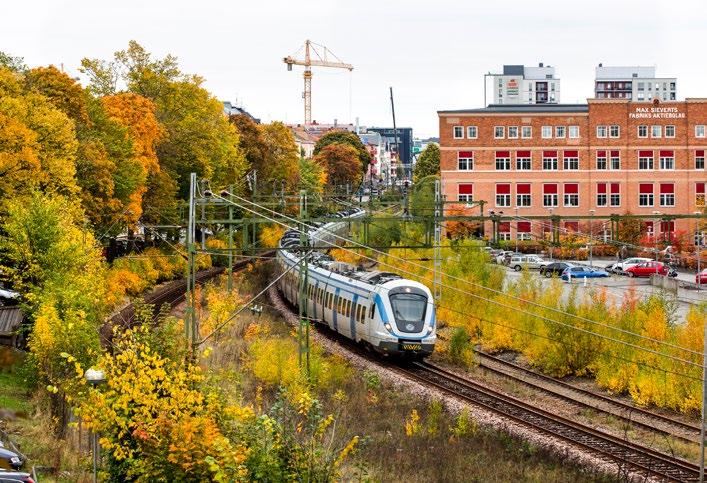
[
  {"x": 520, "y": 84},
  {"x": 230, "y": 109},
  {"x": 635, "y": 83},
  {"x": 404, "y": 144}
]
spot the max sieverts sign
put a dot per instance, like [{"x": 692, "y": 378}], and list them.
[{"x": 656, "y": 113}]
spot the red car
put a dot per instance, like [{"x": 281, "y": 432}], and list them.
[
  {"x": 701, "y": 278},
  {"x": 645, "y": 269}
]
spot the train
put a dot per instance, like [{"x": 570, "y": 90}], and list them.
[{"x": 392, "y": 315}]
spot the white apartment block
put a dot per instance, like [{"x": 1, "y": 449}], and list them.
[
  {"x": 519, "y": 84},
  {"x": 636, "y": 83}
]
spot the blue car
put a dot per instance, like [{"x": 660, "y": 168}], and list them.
[{"x": 582, "y": 272}]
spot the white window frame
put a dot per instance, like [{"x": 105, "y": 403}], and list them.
[
  {"x": 671, "y": 128},
  {"x": 602, "y": 131},
  {"x": 566, "y": 163},
  {"x": 612, "y": 128},
  {"x": 528, "y": 129},
  {"x": 524, "y": 200},
  {"x": 605, "y": 159},
  {"x": 506, "y": 166},
  {"x": 468, "y": 132},
  {"x": 546, "y": 132},
  {"x": 667, "y": 199},
  {"x": 656, "y": 131},
  {"x": 699, "y": 160},
  {"x": 469, "y": 163},
  {"x": 573, "y": 132},
  {"x": 611, "y": 197},
  {"x": 642, "y": 159},
  {"x": 554, "y": 164},
  {"x": 464, "y": 197},
  {"x": 571, "y": 200},
  {"x": 664, "y": 162},
  {"x": 514, "y": 129},
  {"x": 699, "y": 130},
  {"x": 646, "y": 200},
  {"x": 552, "y": 197},
  {"x": 521, "y": 163},
  {"x": 560, "y": 132},
  {"x": 503, "y": 200},
  {"x": 611, "y": 161},
  {"x": 497, "y": 130},
  {"x": 644, "y": 128},
  {"x": 461, "y": 130},
  {"x": 603, "y": 197}
]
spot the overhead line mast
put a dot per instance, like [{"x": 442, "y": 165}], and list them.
[{"x": 320, "y": 60}]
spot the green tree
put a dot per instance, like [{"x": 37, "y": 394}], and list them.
[
  {"x": 15, "y": 64},
  {"x": 423, "y": 196},
  {"x": 251, "y": 142},
  {"x": 312, "y": 176},
  {"x": 341, "y": 163},
  {"x": 281, "y": 154},
  {"x": 630, "y": 230},
  {"x": 428, "y": 163},
  {"x": 340, "y": 136}
]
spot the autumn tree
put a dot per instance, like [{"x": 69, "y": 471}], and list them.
[
  {"x": 341, "y": 136},
  {"x": 630, "y": 230},
  {"x": 281, "y": 154},
  {"x": 341, "y": 162},
  {"x": 312, "y": 176},
  {"x": 251, "y": 141},
  {"x": 15, "y": 64},
  {"x": 428, "y": 163}
]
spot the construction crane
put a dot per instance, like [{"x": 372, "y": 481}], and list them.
[{"x": 319, "y": 60}]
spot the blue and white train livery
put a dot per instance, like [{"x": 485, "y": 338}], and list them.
[{"x": 379, "y": 309}]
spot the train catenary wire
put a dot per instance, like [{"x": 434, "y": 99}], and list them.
[{"x": 632, "y": 334}]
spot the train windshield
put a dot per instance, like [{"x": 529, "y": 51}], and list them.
[{"x": 408, "y": 306}]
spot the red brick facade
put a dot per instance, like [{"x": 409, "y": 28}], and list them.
[{"x": 649, "y": 156}]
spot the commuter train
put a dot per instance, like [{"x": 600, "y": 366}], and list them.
[{"x": 382, "y": 310}]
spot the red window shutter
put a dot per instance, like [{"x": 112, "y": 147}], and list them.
[
  {"x": 615, "y": 154},
  {"x": 504, "y": 226},
  {"x": 523, "y": 154},
  {"x": 645, "y": 154},
  {"x": 700, "y": 153},
  {"x": 549, "y": 154},
  {"x": 572, "y": 225},
  {"x": 466, "y": 189},
  {"x": 523, "y": 188},
  {"x": 523, "y": 227},
  {"x": 570, "y": 154},
  {"x": 667, "y": 188},
  {"x": 601, "y": 154},
  {"x": 667, "y": 154},
  {"x": 503, "y": 189},
  {"x": 466, "y": 154},
  {"x": 615, "y": 187},
  {"x": 645, "y": 188},
  {"x": 503, "y": 154},
  {"x": 601, "y": 188},
  {"x": 700, "y": 188},
  {"x": 649, "y": 225},
  {"x": 571, "y": 188},
  {"x": 550, "y": 189}
]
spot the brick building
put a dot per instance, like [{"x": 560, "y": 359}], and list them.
[{"x": 609, "y": 156}]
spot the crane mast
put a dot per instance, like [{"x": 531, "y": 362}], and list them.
[{"x": 317, "y": 60}]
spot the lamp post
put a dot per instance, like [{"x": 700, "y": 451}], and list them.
[
  {"x": 516, "y": 209},
  {"x": 655, "y": 234},
  {"x": 95, "y": 377},
  {"x": 591, "y": 238}
]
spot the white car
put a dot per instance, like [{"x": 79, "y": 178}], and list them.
[
  {"x": 518, "y": 263},
  {"x": 623, "y": 265}
]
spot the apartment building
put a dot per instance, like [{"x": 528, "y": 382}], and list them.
[
  {"x": 609, "y": 156},
  {"x": 520, "y": 84},
  {"x": 635, "y": 83}
]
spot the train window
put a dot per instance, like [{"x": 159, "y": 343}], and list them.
[
  {"x": 348, "y": 308},
  {"x": 373, "y": 310}
]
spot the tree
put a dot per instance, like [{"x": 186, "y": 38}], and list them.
[
  {"x": 630, "y": 230},
  {"x": 428, "y": 163},
  {"x": 341, "y": 162},
  {"x": 281, "y": 154},
  {"x": 15, "y": 64},
  {"x": 340, "y": 136},
  {"x": 423, "y": 197},
  {"x": 64, "y": 92},
  {"x": 251, "y": 141},
  {"x": 312, "y": 176}
]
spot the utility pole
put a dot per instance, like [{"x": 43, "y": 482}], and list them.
[
  {"x": 591, "y": 238},
  {"x": 190, "y": 322},
  {"x": 229, "y": 283},
  {"x": 395, "y": 129},
  {"x": 303, "y": 329},
  {"x": 438, "y": 241}
]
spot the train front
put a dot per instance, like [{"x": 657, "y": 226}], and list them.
[{"x": 406, "y": 319}]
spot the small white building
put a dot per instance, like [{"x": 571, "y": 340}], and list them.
[
  {"x": 638, "y": 83},
  {"x": 519, "y": 84}
]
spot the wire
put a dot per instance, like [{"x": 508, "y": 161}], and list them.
[{"x": 530, "y": 302}]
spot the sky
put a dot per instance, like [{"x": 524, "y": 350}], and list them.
[{"x": 433, "y": 53}]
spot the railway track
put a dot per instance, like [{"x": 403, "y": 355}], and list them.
[{"x": 635, "y": 416}]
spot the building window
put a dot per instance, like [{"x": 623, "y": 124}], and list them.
[
  {"x": 458, "y": 132},
  {"x": 527, "y": 132},
  {"x": 523, "y": 161},
  {"x": 523, "y": 230},
  {"x": 614, "y": 131},
  {"x": 499, "y": 132},
  {"x": 601, "y": 131},
  {"x": 700, "y": 194},
  {"x": 503, "y": 160},
  {"x": 559, "y": 131},
  {"x": 645, "y": 194},
  {"x": 642, "y": 131},
  {"x": 503, "y": 195},
  {"x": 667, "y": 160},
  {"x": 574, "y": 132},
  {"x": 504, "y": 230},
  {"x": 523, "y": 195},
  {"x": 667, "y": 194},
  {"x": 601, "y": 160},
  {"x": 512, "y": 132},
  {"x": 549, "y": 160},
  {"x": 640, "y": 86},
  {"x": 601, "y": 194},
  {"x": 700, "y": 131},
  {"x": 571, "y": 194},
  {"x": 547, "y": 132},
  {"x": 670, "y": 131},
  {"x": 615, "y": 199},
  {"x": 656, "y": 131},
  {"x": 549, "y": 195},
  {"x": 645, "y": 160},
  {"x": 465, "y": 160},
  {"x": 615, "y": 160},
  {"x": 466, "y": 192},
  {"x": 570, "y": 160},
  {"x": 700, "y": 159},
  {"x": 471, "y": 132}
]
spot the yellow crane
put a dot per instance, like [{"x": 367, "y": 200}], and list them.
[{"x": 312, "y": 57}]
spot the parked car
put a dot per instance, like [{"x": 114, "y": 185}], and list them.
[
  {"x": 582, "y": 272},
  {"x": 701, "y": 277},
  {"x": 623, "y": 265},
  {"x": 530, "y": 262},
  {"x": 505, "y": 257},
  {"x": 9, "y": 460},
  {"x": 645, "y": 269},
  {"x": 15, "y": 477},
  {"x": 554, "y": 268}
]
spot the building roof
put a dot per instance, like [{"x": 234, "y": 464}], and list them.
[{"x": 520, "y": 108}]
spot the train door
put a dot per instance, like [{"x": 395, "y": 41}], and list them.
[{"x": 336, "y": 306}]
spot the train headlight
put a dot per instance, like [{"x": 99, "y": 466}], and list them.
[{"x": 388, "y": 327}]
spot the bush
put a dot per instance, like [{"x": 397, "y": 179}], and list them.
[{"x": 460, "y": 349}]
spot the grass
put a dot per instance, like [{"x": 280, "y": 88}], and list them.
[{"x": 13, "y": 392}]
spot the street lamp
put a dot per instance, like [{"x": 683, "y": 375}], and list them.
[
  {"x": 591, "y": 238},
  {"x": 655, "y": 234},
  {"x": 95, "y": 377},
  {"x": 700, "y": 240},
  {"x": 516, "y": 209}
]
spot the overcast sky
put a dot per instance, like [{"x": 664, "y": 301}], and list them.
[{"x": 434, "y": 53}]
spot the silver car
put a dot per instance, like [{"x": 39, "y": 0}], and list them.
[
  {"x": 530, "y": 262},
  {"x": 623, "y": 265}
]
